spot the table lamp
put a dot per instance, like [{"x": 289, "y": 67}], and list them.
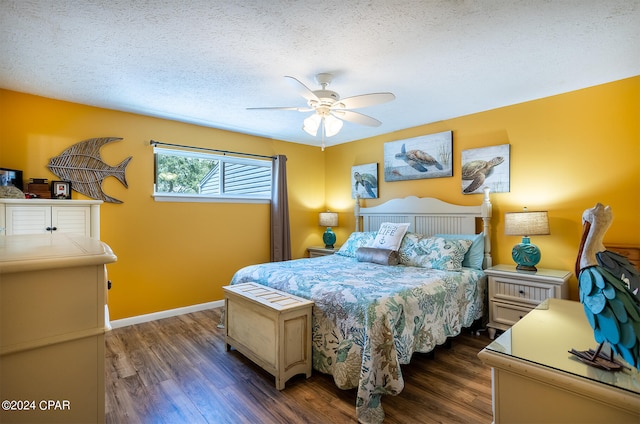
[
  {"x": 526, "y": 224},
  {"x": 329, "y": 219}
]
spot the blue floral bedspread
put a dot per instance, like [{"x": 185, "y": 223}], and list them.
[{"x": 368, "y": 318}]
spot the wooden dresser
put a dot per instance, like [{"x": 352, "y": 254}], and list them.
[{"x": 52, "y": 325}]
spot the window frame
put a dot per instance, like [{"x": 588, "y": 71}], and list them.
[{"x": 209, "y": 198}]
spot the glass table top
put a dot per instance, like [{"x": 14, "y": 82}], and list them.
[{"x": 547, "y": 334}]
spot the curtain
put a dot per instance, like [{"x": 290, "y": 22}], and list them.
[{"x": 280, "y": 233}]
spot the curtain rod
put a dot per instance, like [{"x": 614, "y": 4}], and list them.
[{"x": 155, "y": 143}]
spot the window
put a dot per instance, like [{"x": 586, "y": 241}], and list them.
[{"x": 193, "y": 176}]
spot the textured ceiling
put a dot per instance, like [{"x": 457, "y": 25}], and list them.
[{"x": 206, "y": 61}]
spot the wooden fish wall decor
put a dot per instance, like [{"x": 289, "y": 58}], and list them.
[{"x": 82, "y": 165}]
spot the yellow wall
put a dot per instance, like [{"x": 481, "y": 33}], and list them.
[
  {"x": 169, "y": 254},
  {"x": 567, "y": 153}
]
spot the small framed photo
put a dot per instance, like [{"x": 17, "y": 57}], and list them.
[{"x": 61, "y": 190}]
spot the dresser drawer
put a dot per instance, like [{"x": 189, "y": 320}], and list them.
[
  {"x": 317, "y": 251},
  {"x": 506, "y": 313},
  {"x": 513, "y": 290},
  {"x": 513, "y": 293}
]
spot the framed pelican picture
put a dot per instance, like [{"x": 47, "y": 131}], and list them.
[
  {"x": 364, "y": 181},
  {"x": 426, "y": 156},
  {"x": 486, "y": 167}
]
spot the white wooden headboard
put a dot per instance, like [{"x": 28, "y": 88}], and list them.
[{"x": 430, "y": 216}]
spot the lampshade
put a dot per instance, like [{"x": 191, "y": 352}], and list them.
[
  {"x": 328, "y": 219},
  {"x": 535, "y": 223},
  {"x": 332, "y": 125},
  {"x": 526, "y": 223},
  {"x": 311, "y": 124}
]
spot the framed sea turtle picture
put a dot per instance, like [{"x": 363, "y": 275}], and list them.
[
  {"x": 364, "y": 181},
  {"x": 426, "y": 156},
  {"x": 486, "y": 167}
]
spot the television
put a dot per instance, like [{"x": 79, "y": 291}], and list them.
[{"x": 11, "y": 177}]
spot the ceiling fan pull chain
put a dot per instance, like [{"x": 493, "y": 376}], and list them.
[{"x": 323, "y": 126}]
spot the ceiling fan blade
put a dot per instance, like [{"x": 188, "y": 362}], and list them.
[
  {"x": 356, "y": 118},
  {"x": 363, "y": 100},
  {"x": 302, "y": 89},
  {"x": 299, "y": 109}
]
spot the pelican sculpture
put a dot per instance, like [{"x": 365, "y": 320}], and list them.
[{"x": 608, "y": 285}]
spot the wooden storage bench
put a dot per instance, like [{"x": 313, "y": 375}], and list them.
[{"x": 270, "y": 327}]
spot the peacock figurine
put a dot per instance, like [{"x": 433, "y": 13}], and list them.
[{"x": 608, "y": 285}]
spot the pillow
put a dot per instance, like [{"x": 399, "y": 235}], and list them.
[
  {"x": 434, "y": 252},
  {"x": 390, "y": 235},
  {"x": 356, "y": 240},
  {"x": 377, "y": 256},
  {"x": 475, "y": 255},
  {"x": 410, "y": 248}
]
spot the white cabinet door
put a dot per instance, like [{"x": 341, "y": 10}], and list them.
[
  {"x": 3, "y": 221},
  {"x": 43, "y": 216},
  {"x": 28, "y": 219},
  {"x": 71, "y": 219},
  {"x": 41, "y": 219}
]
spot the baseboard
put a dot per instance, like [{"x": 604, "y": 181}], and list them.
[{"x": 165, "y": 314}]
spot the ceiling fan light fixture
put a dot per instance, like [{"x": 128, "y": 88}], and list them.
[
  {"x": 327, "y": 104},
  {"x": 332, "y": 125},
  {"x": 311, "y": 124}
]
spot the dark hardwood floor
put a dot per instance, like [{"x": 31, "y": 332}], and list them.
[{"x": 176, "y": 370}]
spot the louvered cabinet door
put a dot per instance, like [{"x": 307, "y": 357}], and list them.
[
  {"x": 40, "y": 216},
  {"x": 71, "y": 219},
  {"x": 32, "y": 219}
]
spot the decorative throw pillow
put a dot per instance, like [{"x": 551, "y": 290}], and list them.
[
  {"x": 390, "y": 235},
  {"x": 356, "y": 240},
  {"x": 377, "y": 256},
  {"x": 475, "y": 255},
  {"x": 408, "y": 242},
  {"x": 409, "y": 245},
  {"x": 434, "y": 252}
]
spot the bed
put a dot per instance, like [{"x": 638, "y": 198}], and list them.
[{"x": 369, "y": 315}]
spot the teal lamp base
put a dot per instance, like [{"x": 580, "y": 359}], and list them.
[
  {"x": 329, "y": 238},
  {"x": 526, "y": 255}
]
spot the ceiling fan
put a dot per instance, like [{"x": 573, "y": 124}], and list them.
[{"x": 329, "y": 110}]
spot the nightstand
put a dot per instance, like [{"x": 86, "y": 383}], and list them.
[
  {"x": 315, "y": 251},
  {"x": 512, "y": 293}
]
